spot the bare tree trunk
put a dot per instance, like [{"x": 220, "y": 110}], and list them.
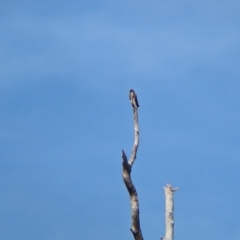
[
  {"x": 127, "y": 167},
  {"x": 169, "y": 215}
]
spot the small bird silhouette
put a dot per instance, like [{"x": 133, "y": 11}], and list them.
[{"x": 133, "y": 98}]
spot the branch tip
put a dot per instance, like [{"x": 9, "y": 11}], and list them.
[
  {"x": 171, "y": 188},
  {"x": 124, "y": 157}
]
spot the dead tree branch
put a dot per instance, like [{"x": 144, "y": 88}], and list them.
[
  {"x": 127, "y": 167},
  {"x": 169, "y": 215}
]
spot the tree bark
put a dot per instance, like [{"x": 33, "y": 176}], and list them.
[
  {"x": 126, "y": 174},
  {"x": 169, "y": 215}
]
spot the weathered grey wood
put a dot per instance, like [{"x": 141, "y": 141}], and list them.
[
  {"x": 126, "y": 173},
  {"x": 169, "y": 214},
  {"x": 136, "y": 137},
  {"x": 127, "y": 167}
]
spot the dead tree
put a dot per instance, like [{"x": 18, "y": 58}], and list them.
[{"x": 126, "y": 173}]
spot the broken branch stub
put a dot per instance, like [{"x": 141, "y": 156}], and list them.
[{"x": 169, "y": 214}]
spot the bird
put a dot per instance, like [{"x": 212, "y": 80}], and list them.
[{"x": 133, "y": 99}]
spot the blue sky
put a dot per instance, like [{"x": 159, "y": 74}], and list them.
[{"x": 65, "y": 72}]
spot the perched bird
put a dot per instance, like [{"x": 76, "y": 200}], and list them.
[{"x": 133, "y": 98}]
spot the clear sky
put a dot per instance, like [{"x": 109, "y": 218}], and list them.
[{"x": 65, "y": 71}]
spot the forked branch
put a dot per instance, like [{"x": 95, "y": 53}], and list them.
[{"x": 127, "y": 167}]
